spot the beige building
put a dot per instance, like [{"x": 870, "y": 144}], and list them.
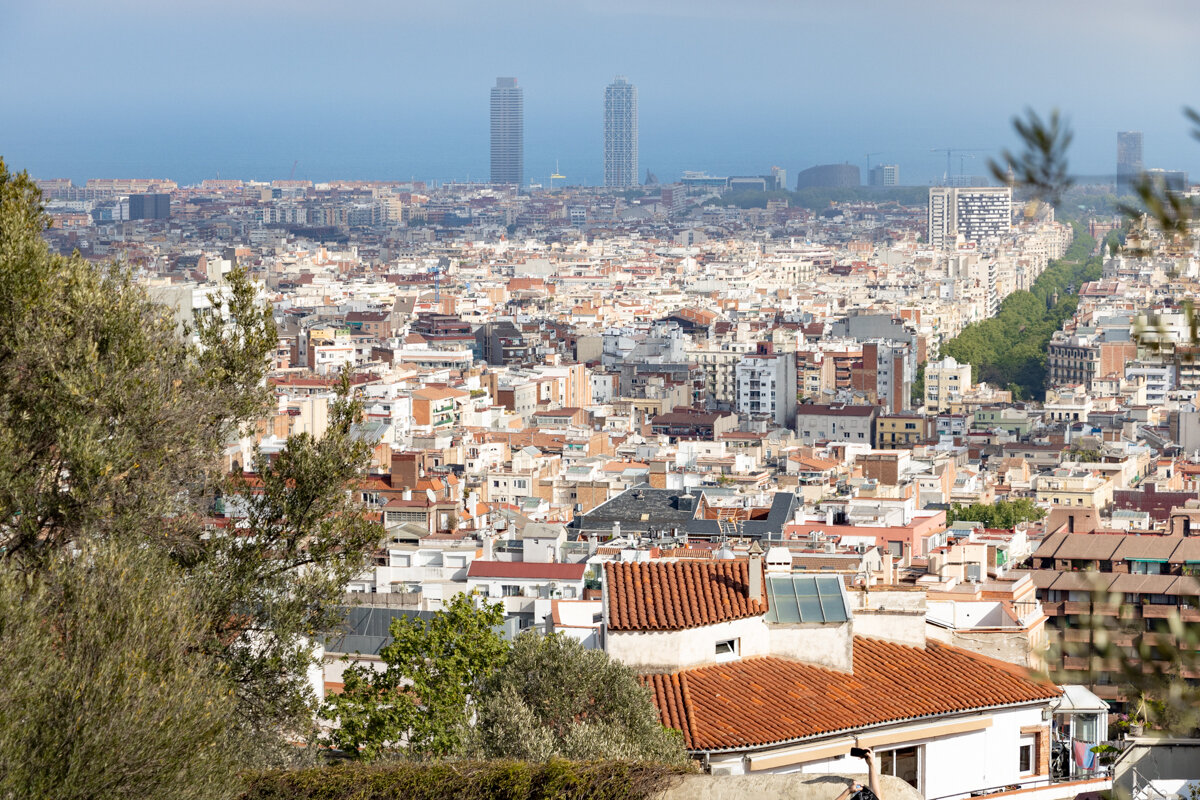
[
  {"x": 946, "y": 382},
  {"x": 1071, "y": 488}
]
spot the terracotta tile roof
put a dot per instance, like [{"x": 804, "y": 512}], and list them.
[
  {"x": 671, "y": 596},
  {"x": 527, "y": 570},
  {"x": 762, "y": 701}
]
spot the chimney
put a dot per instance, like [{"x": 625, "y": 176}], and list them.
[
  {"x": 489, "y": 548},
  {"x": 407, "y": 494},
  {"x": 756, "y": 572}
]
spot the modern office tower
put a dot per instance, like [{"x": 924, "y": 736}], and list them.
[
  {"x": 620, "y": 134},
  {"x": 980, "y": 214},
  {"x": 1129, "y": 160},
  {"x": 149, "y": 206},
  {"x": 884, "y": 175},
  {"x": 508, "y": 132},
  {"x": 779, "y": 175}
]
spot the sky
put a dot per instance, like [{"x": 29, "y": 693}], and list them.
[{"x": 392, "y": 90}]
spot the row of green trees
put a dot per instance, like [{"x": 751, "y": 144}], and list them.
[
  {"x": 1009, "y": 349},
  {"x": 1001, "y": 514},
  {"x": 820, "y": 198}
]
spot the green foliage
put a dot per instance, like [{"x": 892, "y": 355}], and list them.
[
  {"x": 554, "y": 697},
  {"x": 113, "y": 430},
  {"x": 110, "y": 419},
  {"x": 1042, "y": 166},
  {"x": 107, "y": 692},
  {"x": 747, "y": 199},
  {"x": 452, "y": 687},
  {"x": 820, "y": 198},
  {"x": 279, "y": 584},
  {"x": 423, "y": 702},
  {"x": 1147, "y": 663},
  {"x": 918, "y": 386},
  {"x": 1084, "y": 455},
  {"x": 1001, "y": 514},
  {"x": 1009, "y": 349},
  {"x": 467, "y": 780}
]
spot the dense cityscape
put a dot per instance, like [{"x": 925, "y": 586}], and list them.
[{"x": 680, "y": 485}]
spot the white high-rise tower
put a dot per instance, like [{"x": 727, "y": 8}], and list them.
[
  {"x": 508, "y": 132},
  {"x": 620, "y": 134}
]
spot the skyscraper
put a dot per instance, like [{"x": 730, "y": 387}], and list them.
[
  {"x": 1129, "y": 160},
  {"x": 508, "y": 132},
  {"x": 620, "y": 134}
]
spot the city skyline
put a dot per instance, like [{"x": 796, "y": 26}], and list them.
[{"x": 761, "y": 102}]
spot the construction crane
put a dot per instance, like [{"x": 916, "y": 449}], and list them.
[
  {"x": 962, "y": 157},
  {"x": 950, "y": 151},
  {"x": 292, "y": 174}
]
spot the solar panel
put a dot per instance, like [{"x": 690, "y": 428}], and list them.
[{"x": 806, "y": 598}]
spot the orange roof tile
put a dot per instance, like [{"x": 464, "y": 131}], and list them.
[
  {"x": 762, "y": 701},
  {"x": 671, "y": 596}
]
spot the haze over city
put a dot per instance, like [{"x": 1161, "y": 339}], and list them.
[
  {"x": 627, "y": 399},
  {"x": 376, "y": 90}
]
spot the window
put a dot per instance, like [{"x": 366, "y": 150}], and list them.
[
  {"x": 510, "y": 590},
  {"x": 727, "y": 650},
  {"x": 1025, "y": 756},
  {"x": 904, "y": 763}
]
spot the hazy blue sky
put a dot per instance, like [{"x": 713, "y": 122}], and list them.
[{"x": 393, "y": 89}]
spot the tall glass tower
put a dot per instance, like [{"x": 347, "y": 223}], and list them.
[
  {"x": 620, "y": 134},
  {"x": 508, "y": 132},
  {"x": 1129, "y": 160}
]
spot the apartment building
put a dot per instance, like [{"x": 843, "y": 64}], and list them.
[
  {"x": 1155, "y": 576},
  {"x": 946, "y": 382},
  {"x": 766, "y": 386}
]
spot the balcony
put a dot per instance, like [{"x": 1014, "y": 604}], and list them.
[{"x": 1075, "y": 664}]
